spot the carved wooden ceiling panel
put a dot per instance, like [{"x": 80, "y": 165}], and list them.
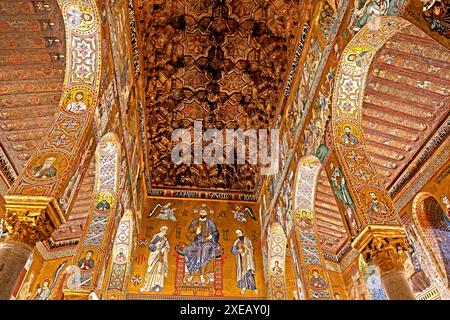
[
  {"x": 73, "y": 228},
  {"x": 407, "y": 98},
  {"x": 332, "y": 232},
  {"x": 32, "y": 48},
  {"x": 220, "y": 61}
]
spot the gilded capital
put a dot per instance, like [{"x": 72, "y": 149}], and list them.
[
  {"x": 386, "y": 246},
  {"x": 29, "y": 220},
  {"x": 388, "y": 254},
  {"x": 27, "y": 227}
]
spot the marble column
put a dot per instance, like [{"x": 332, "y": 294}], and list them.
[
  {"x": 13, "y": 257},
  {"x": 389, "y": 254},
  {"x": 25, "y": 228},
  {"x": 396, "y": 285}
]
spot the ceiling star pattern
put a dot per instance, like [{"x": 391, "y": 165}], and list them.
[
  {"x": 220, "y": 61},
  {"x": 397, "y": 123}
]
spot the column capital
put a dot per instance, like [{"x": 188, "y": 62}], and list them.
[
  {"x": 30, "y": 219},
  {"x": 386, "y": 246}
]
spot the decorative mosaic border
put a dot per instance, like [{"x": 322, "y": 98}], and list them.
[{"x": 65, "y": 137}]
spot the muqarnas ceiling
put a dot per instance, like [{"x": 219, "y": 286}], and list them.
[{"x": 221, "y": 62}]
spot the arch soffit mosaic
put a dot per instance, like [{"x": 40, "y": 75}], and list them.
[
  {"x": 32, "y": 64},
  {"x": 66, "y": 136},
  {"x": 347, "y": 110},
  {"x": 315, "y": 278}
]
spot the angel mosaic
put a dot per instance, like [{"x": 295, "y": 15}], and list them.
[
  {"x": 240, "y": 215},
  {"x": 365, "y": 10},
  {"x": 166, "y": 212},
  {"x": 43, "y": 292}
]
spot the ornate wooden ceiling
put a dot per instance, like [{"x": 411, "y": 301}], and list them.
[
  {"x": 32, "y": 68},
  {"x": 220, "y": 61},
  {"x": 32, "y": 46},
  {"x": 71, "y": 231},
  {"x": 332, "y": 233},
  {"x": 407, "y": 98}
]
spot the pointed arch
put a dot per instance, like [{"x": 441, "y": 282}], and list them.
[
  {"x": 423, "y": 262},
  {"x": 433, "y": 227},
  {"x": 276, "y": 263},
  {"x": 348, "y": 135},
  {"x": 89, "y": 260},
  {"x": 67, "y": 135},
  {"x": 314, "y": 276},
  {"x": 119, "y": 266}
]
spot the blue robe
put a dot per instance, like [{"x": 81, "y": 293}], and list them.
[{"x": 201, "y": 251}]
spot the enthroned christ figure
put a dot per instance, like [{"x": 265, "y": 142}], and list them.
[{"x": 201, "y": 252}]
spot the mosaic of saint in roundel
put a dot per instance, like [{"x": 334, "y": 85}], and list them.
[
  {"x": 316, "y": 277},
  {"x": 104, "y": 201},
  {"x": 348, "y": 134},
  {"x": 47, "y": 166},
  {"x": 77, "y": 100},
  {"x": 377, "y": 204},
  {"x": 80, "y": 18}
]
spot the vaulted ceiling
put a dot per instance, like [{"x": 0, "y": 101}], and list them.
[
  {"x": 407, "y": 98},
  {"x": 220, "y": 61},
  {"x": 32, "y": 49}
]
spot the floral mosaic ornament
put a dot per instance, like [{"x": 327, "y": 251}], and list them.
[
  {"x": 348, "y": 134},
  {"x": 67, "y": 133},
  {"x": 310, "y": 255},
  {"x": 276, "y": 263},
  {"x": 120, "y": 264},
  {"x": 95, "y": 241}
]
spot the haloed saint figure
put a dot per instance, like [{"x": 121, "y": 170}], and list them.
[
  {"x": 104, "y": 204},
  {"x": 43, "y": 293},
  {"x": 201, "y": 252},
  {"x": 158, "y": 262},
  {"x": 87, "y": 263},
  {"x": 245, "y": 263},
  {"x": 46, "y": 170},
  {"x": 78, "y": 105}
]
